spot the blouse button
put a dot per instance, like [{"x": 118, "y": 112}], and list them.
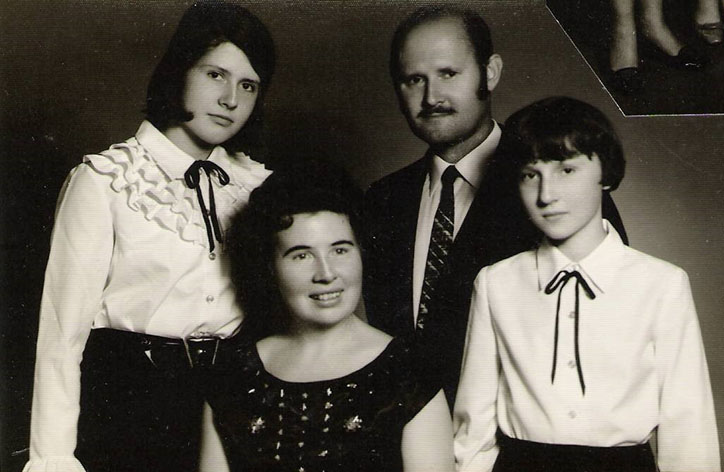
[
  {"x": 572, "y": 414},
  {"x": 212, "y": 256},
  {"x": 572, "y": 314},
  {"x": 571, "y": 364},
  {"x": 210, "y": 299}
]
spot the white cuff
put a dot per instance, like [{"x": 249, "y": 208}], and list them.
[{"x": 54, "y": 464}]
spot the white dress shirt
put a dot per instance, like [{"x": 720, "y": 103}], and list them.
[
  {"x": 641, "y": 356},
  {"x": 129, "y": 251},
  {"x": 471, "y": 168}
]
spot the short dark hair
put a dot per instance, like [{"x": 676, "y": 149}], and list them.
[
  {"x": 557, "y": 128},
  {"x": 205, "y": 25},
  {"x": 307, "y": 187},
  {"x": 474, "y": 25}
]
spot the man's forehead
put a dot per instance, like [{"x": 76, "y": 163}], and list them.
[
  {"x": 436, "y": 29},
  {"x": 439, "y": 40}
]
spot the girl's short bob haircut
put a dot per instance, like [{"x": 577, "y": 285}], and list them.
[
  {"x": 306, "y": 187},
  {"x": 558, "y": 128},
  {"x": 205, "y": 25}
]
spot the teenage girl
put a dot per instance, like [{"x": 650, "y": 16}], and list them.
[{"x": 138, "y": 309}]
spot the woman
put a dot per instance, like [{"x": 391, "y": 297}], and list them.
[
  {"x": 137, "y": 282},
  {"x": 316, "y": 388}
]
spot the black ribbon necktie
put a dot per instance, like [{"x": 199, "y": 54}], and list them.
[
  {"x": 558, "y": 282},
  {"x": 192, "y": 177},
  {"x": 441, "y": 240}
]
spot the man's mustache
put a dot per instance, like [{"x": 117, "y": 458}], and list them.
[{"x": 436, "y": 110}]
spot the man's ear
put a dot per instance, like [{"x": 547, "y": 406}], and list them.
[{"x": 493, "y": 71}]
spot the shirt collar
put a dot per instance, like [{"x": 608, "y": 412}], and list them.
[
  {"x": 599, "y": 268},
  {"x": 471, "y": 165},
  {"x": 173, "y": 161}
]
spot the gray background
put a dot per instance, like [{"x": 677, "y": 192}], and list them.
[{"x": 73, "y": 79}]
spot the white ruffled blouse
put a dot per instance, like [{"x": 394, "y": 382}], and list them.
[{"x": 129, "y": 251}]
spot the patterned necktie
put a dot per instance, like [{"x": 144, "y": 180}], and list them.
[{"x": 441, "y": 240}]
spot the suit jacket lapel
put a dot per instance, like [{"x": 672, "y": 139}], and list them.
[{"x": 409, "y": 196}]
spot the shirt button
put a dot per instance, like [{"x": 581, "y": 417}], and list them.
[
  {"x": 210, "y": 299},
  {"x": 571, "y": 364},
  {"x": 572, "y": 314},
  {"x": 212, "y": 256},
  {"x": 572, "y": 414}
]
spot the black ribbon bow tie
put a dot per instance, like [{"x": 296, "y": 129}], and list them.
[
  {"x": 558, "y": 282},
  {"x": 192, "y": 176}
]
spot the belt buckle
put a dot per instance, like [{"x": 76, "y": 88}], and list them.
[{"x": 189, "y": 341}]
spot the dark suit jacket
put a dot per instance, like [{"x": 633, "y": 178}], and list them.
[{"x": 494, "y": 228}]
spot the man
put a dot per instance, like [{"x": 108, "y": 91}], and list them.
[{"x": 430, "y": 229}]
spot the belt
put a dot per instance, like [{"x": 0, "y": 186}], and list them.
[{"x": 175, "y": 353}]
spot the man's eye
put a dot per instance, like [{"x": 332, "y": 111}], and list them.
[
  {"x": 300, "y": 256},
  {"x": 568, "y": 170},
  {"x": 527, "y": 176},
  {"x": 341, "y": 250},
  {"x": 449, "y": 74}
]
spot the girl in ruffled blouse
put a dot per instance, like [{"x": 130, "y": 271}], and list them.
[{"x": 137, "y": 284}]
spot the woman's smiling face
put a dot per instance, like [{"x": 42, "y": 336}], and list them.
[{"x": 318, "y": 268}]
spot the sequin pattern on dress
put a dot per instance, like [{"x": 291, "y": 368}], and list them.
[{"x": 353, "y": 423}]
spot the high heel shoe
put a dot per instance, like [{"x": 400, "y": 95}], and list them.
[
  {"x": 627, "y": 80},
  {"x": 689, "y": 57},
  {"x": 710, "y": 33}
]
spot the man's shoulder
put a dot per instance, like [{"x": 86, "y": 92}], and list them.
[{"x": 400, "y": 180}]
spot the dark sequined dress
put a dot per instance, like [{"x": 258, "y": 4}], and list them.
[{"x": 353, "y": 423}]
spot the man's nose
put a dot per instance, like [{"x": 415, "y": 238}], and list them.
[{"x": 433, "y": 95}]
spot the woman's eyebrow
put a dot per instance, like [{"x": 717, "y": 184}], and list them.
[{"x": 298, "y": 247}]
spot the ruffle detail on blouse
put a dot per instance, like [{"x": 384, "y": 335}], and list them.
[
  {"x": 169, "y": 202},
  {"x": 246, "y": 175},
  {"x": 54, "y": 464}
]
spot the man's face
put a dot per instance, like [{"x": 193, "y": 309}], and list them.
[{"x": 439, "y": 82}]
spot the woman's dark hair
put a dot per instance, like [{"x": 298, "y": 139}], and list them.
[
  {"x": 205, "y": 25},
  {"x": 558, "y": 128},
  {"x": 473, "y": 24},
  {"x": 307, "y": 187}
]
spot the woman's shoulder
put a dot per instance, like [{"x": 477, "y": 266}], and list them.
[{"x": 403, "y": 373}]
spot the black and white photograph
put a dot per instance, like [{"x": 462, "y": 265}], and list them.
[{"x": 414, "y": 235}]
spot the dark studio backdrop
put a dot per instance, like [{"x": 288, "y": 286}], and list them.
[{"x": 74, "y": 74}]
